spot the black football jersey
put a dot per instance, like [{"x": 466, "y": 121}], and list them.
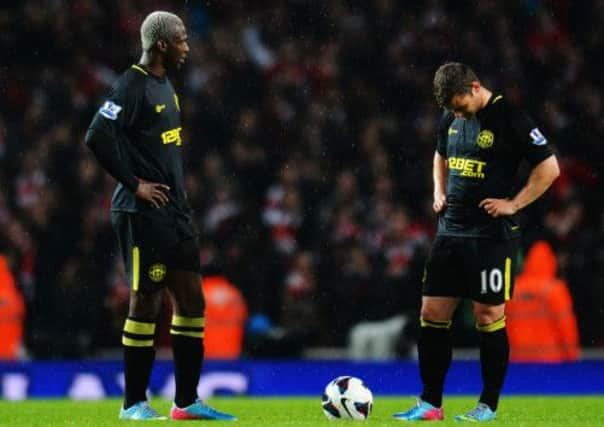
[
  {"x": 483, "y": 155},
  {"x": 142, "y": 113}
]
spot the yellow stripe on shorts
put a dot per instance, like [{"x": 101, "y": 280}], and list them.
[
  {"x": 136, "y": 263},
  {"x": 507, "y": 277}
]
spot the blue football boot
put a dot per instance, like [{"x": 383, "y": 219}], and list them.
[
  {"x": 422, "y": 411},
  {"x": 141, "y": 411},
  {"x": 481, "y": 413},
  {"x": 199, "y": 411}
]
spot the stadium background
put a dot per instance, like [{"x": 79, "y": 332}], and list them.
[{"x": 309, "y": 130}]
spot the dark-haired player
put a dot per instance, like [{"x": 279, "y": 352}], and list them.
[
  {"x": 136, "y": 137},
  {"x": 481, "y": 141}
]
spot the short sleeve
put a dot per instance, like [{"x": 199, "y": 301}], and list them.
[
  {"x": 119, "y": 110},
  {"x": 528, "y": 139},
  {"x": 443, "y": 133}
]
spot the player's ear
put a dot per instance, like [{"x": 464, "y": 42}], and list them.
[
  {"x": 162, "y": 46},
  {"x": 475, "y": 86}
]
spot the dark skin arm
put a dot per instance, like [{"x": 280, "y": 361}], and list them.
[
  {"x": 106, "y": 151},
  {"x": 152, "y": 192}
]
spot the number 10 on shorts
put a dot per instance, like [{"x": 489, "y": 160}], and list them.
[
  {"x": 492, "y": 279},
  {"x": 495, "y": 279}
]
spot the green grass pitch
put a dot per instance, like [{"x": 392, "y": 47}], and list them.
[{"x": 513, "y": 411}]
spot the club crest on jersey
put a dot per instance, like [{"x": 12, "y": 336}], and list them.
[
  {"x": 485, "y": 138},
  {"x": 110, "y": 110},
  {"x": 157, "y": 272}
]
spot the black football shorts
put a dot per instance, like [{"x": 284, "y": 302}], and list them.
[
  {"x": 480, "y": 269},
  {"x": 152, "y": 244}
]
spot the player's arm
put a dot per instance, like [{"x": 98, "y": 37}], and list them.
[
  {"x": 439, "y": 175},
  {"x": 103, "y": 138},
  {"x": 439, "y": 163},
  {"x": 541, "y": 178},
  {"x": 535, "y": 148},
  {"x": 105, "y": 149}
]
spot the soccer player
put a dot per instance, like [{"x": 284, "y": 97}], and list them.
[
  {"x": 481, "y": 141},
  {"x": 136, "y": 137}
]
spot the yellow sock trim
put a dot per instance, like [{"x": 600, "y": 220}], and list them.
[
  {"x": 438, "y": 324},
  {"x": 142, "y": 328},
  {"x": 136, "y": 343},
  {"x": 191, "y": 322},
  {"x": 192, "y": 334},
  {"x": 187, "y": 326},
  {"x": 492, "y": 327}
]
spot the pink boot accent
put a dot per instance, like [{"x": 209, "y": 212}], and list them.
[
  {"x": 435, "y": 414},
  {"x": 180, "y": 414}
]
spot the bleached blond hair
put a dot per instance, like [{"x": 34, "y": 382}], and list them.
[{"x": 159, "y": 25}]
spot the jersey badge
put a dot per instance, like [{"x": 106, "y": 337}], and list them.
[
  {"x": 110, "y": 110},
  {"x": 157, "y": 272},
  {"x": 537, "y": 137},
  {"x": 453, "y": 131},
  {"x": 159, "y": 108},
  {"x": 485, "y": 138}
]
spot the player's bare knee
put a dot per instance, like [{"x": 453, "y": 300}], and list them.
[
  {"x": 189, "y": 309},
  {"x": 186, "y": 294},
  {"x": 434, "y": 313},
  {"x": 485, "y": 315},
  {"x": 144, "y": 306},
  {"x": 438, "y": 309}
]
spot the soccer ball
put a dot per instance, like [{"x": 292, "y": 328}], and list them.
[{"x": 348, "y": 398}]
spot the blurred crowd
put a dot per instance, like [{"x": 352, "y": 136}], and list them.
[{"x": 309, "y": 129}]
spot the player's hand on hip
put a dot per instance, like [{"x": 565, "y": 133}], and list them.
[
  {"x": 498, "y": 207},
  {"x": 152, "y": 192},
  {"x": 440, "y": 202}
]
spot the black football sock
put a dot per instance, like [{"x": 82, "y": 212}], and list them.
[
  {"x": 434, "y": 349},
  {"x": 187, "y": 346},
  {"x": 494, "y": 356},
  {"x": 139, "y": 355}
]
